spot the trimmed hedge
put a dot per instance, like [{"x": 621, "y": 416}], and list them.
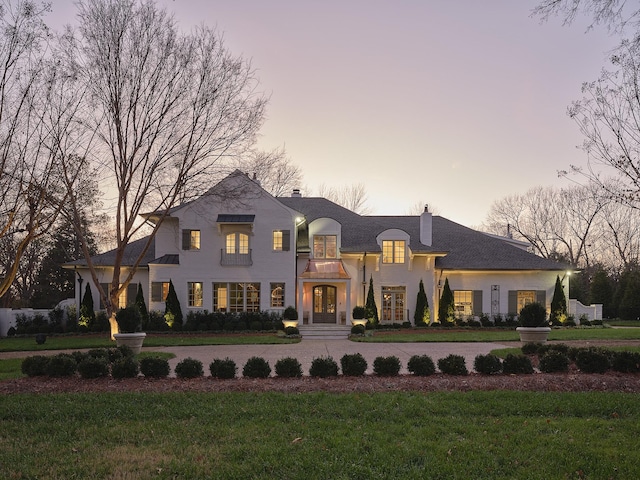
[
  {"x": 421, "y": 365},
  {"x": 126, "y": 367},
  {"x": 154, "y": 367},
  {"x": 487, "y": 364},
  {"x": 323, "y": 367},
  {"x": 288, "y": 367},
  {"x": 61, "y": 365},
  {"x": 517, "y": 364},
  {"x": 223, "y": 369},
  {"x": 189, "y": 368},
  {"x": 453, "y": 365},
  {"x": 93, "y": 367},
  {"x": 554, "y": 361},
  {"x": 256, "y": 367},
  {"x": 353, "y": 365},
  {"x": 387, "y": 366},
  {"x": 35, "y": 366}
]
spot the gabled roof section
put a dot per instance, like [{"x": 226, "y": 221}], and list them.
[
  {"x": 169, "y": 259},
  {"x": 131, "y": 254},
  {"x": 458, "y": 247}
]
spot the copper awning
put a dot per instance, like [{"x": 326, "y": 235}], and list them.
[{"x": 325, "y": 269}]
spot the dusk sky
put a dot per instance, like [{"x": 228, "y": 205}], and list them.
[{"x": 451, "y": 103}]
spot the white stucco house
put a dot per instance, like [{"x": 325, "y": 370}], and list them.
[{"x": 238, "y": 248}]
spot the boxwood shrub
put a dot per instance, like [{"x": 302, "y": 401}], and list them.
[
  {"x": 126, "y": 367},
  {"x": 35, "y": 365},
  {"x": 323, "y": 367},
  {"x": 487, "y": 364},
  {"x": 189, "y": 368},
  {"x": 421, "y": 365},
  {"x": 256, "y": 367},
  {"x": 453, "y": 365},
  {"x": 353, "y": 364},
  {"x": 593, "y": 360},
  {"x": 626, "y": 362},
  {"x": 530, "y": 348},
  {"x": 554, "y": 361},
  {"x": 288, "y": 367},
  {"x": 553, "y": 347},
  {"x": 387, "y": 366},
  {"x": 154, "y": 367},
  {"x": 93, "y": 367},
  {"x": 61, "y": 365},
  {"x": 223, "y": 369},
  {"x": 517, "y": 364}
]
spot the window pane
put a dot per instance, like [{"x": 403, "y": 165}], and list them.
[
  {"x": 331, "y": 246},
  {"x": 398, "y": 251},
  {"x": 220, "y": 297},
  {"x": 277, "y": 295},
  {"x": 387, "y": 251},
  {"x": 243, "y": 244},
  {"x": 253, "y": 297},
  {"x": 463, "y": 302},
  {"x": 525, "y": 297},
  {"x": 195, "y": 239},
  {"x": 318, "y": 246},
  {"x": 231, "y": 243},
  {"x": 236, "y": 297},
  {"x": 277, "y": 240},
  {"x": 195, "y": 294}
]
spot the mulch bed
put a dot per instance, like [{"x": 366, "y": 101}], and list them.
[{"x": 547, "y": 382}]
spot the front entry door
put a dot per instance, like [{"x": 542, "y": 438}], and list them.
[{"x": 324, "y": 304}]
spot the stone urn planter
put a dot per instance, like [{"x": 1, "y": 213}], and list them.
[
  {"x": 129, "y": 324},
  {"x": 533, "y": 334},
  {"x": 132, "y": 340},
  {"x": 534, "y": 327}
]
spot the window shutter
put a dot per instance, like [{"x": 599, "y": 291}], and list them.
[
  {"x": 477, "y": 302},
  {"x": 156, "y": 292},
  {"x": 541, "y": 297},
  {"x": 286, "y": 240},
  {"x": 513, "y": 302},
  {"x": 132, "y": 291},
  {"x": 186, "y": 239}
]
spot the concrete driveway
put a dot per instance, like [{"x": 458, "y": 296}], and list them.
[{"x": 307, "y": 350}]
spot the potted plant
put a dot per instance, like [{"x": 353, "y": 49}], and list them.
[
  {"x": 534, "y": 327},
  {"x": 290, "y": 316},
  {"x": 130, "y": 326},
  {"x": 358, "y": 315}
]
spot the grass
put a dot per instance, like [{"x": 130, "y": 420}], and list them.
[
  {"x": 516, "y": 435},
  {"x": 503, "y": 352},
  {"x": 77, "y": 342},
  {"x": 496, "y": 335}
]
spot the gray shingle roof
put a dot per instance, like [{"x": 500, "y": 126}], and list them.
[
  {"x": 464, "y": 247},
  {"x": 131, "y": 254}
]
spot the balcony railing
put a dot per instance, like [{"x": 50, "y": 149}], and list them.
[{"x": 235, "y": 259}]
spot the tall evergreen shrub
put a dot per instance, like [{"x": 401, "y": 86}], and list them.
[
  {"x": 421, "y": 315},
  {"x": 446, "y": 308},
  {"x": 172, "y": 310},
  {"x": 141, "y": 306},
  {"x": 558, "y": 303},
  {"x": 87, "y": 313},
  {"x": 371, "y": 307}
]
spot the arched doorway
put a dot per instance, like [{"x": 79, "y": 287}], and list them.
[{"x": 324, "y": 304}]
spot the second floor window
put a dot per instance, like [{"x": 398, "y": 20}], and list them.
[
  {"x": 325, "y": 246},
  {"x": 191, "y": 239},
  {"x": 237, "y": 243},
  {"x": 393, "y": 251}
]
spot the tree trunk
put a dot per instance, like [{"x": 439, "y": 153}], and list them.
[{"x": 114, "y": 326}]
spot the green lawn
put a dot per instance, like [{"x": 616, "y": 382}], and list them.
[
  {"x": 492, "y": 435},
  {"x": 497, "y": 335},
  {"x": 76, "y": 342}
]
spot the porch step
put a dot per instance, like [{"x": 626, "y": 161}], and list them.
[{"x": 324, "y": 331}]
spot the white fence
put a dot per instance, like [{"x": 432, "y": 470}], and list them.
[{"x": 577, "y": 309}]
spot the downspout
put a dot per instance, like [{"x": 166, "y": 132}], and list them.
[{"x": 364, "y": 278}]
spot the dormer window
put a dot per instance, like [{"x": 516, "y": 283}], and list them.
[
  {"x": 393, "y": 251},
  {"x": 325, "y": 246}
]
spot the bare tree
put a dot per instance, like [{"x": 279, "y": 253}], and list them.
[
  {"x": 275, "y": 171},
  {"x": 31, "y": 116},
  {"x": 163, "y": 109},
  {"x": 614, "y": 14},
  {"x": 558, "y": 223},
  {"x": 353, "y": 197}
]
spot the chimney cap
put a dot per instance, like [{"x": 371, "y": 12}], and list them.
[{"x": 296, "y": 192}]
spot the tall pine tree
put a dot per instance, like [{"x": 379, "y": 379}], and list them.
[
  {"x": 601, "y": 292},
  {"x": 87, "y": 313},
  {"x": 172, "y": 310}
]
